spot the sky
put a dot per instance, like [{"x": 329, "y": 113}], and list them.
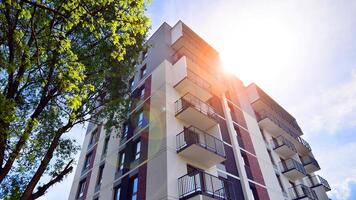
[{"x": 302, "y": 53}]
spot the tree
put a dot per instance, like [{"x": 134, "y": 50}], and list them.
[{"x": 62, "y": 63}]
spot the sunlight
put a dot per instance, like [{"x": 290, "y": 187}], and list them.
[{"x": 257, "y": 49}]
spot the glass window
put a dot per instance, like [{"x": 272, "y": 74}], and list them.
[
  {"x": 94, "y": 136},
  {"x": 126, "y": 130},
  {"x": 121, "y": 161},
  {"x": 132, "y": 82},
  {"x": 100, "y": 175},
  {"x": 134, "y": 188},
  {"x": 81, "y": 188},
  {"x": 87, "y": 161},
  {"x": 138, "y": 150},
  {"x": 143, "y": 71},
  {"x": 117, "y": 193},
  {"x": 140, "y": 119},
  {"x": 142, "y": 93},
  {"x": 105, "y": 149}
]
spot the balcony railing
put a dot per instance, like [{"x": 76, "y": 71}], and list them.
[
  {"x": 189, "y": 100},
  {"x": 281, "y": 141},
  {"x": 195, "y": 78},
  {"x": 304, "y": 143},
  {"x": 193, "y": 135},
  {"x": 317, "y": 180},
  {"x": 201, "y": 183},
  {"x": 291, "y": 164},
  {"x": 302, "y": 192},
  {"x": 262, "y": 114},
  {"x": 306, "y": 160}
]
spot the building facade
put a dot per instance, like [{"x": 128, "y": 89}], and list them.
[{"x": 196, "y": 133}]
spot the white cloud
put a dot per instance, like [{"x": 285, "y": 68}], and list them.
[
  {"x": 330, "y": 109},
  {"x": 338, "y": 166}
]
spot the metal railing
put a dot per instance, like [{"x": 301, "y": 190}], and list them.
[
  {"x": 288, "y": 129},
  {"x": 306, "y": 160},
  {"x": 291, "y": 164},
  {"x": 193, "y": 135},
  {"x": 302, "y": 191},
  {"x": 317, "y": 180},
  {"x": 199, "y": 182},
  {"x": 189, "y": 100},
  {"x": 280, "y": 141},
  {"x": 196, "y": 79},
  {"x": 304, "y": 143}
]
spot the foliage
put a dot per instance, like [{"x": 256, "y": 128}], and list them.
[{"x": 62, "y": 63}]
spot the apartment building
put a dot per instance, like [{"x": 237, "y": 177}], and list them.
[{"x": 195, "y": 132}]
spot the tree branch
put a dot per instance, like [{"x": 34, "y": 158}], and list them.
[{"x": 42, "y": 189}]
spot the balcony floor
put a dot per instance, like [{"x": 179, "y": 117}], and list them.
[
  {"x": 195, "y": 118},
  {"x": 201, "y": 155}
]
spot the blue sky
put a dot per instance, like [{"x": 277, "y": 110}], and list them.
[{"x": 303, "y": 53}]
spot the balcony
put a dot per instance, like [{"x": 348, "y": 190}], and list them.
[
  {"x": 192, "y": 82},
  {"x": 283, "y": 147},
  {"x": 292, "y": 169},
  {"x": 193, "y": 111},
  {"x": 204, "y": 186},
  {"x": 302, "y": 146},
  {"x": 317, "y": 181},
  {"x": 310, "y": 164},
  {"x": 196, "y": 145},
  {"x": 302, "y": 192}
]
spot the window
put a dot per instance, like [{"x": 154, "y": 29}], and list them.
[
  {"x": 87, "y": 162},
  {"x": 132, "y": 82},
  {"x": 126, "y": 130},
  {"x": 81, "y": 189},
  {"x": 117, "y": 193},
  {"x": 106, "y": 142},
  {"x": 143, "y": 71},
  {"x": 144, "y": 54},
  {"x": 254, "y": 192},
  {"x": 94, "y": 136},
  {"x": 140, "y": 119},
  {"x": 142, "y": 93},
  {"x": 134, "y": 187},
  {"x": 137, "y": 150},
  {"x": 121, "y": 161},
  {"x": 100, "y": 175}
]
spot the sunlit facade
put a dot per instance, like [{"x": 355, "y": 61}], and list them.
[{"x": 195, "y": 132}]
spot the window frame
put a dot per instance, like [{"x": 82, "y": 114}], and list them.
[
  {"x": 88, "y": 159},
  {"x": 116, "y": 193},
  {"x": 121, "y": 163},
  {"x": 143, "y": 71},
  {"x": 134, "y": 188},
  {"x": 81, "y": 188},
  {"x": 138, "y": 148},
  {"x": 99, "y": 179}
]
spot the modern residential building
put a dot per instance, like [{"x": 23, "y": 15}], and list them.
[{"x": 195, "y": 132}]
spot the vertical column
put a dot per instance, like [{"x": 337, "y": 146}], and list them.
[{"x": 236, "y": 150}]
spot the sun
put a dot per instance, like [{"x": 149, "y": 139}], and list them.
[{"x": 257, "y": 49}]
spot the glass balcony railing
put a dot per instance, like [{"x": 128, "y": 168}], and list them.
[
  {"x": 193, "y": 135},
  {"x": 201, "y": 183},
  {"x": 302, "y": 192},
  {"x": 291, "y": 164},
  {"x": 189, "y": 100}
]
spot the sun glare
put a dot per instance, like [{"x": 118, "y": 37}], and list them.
[{"x": 257, "y": 49}]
